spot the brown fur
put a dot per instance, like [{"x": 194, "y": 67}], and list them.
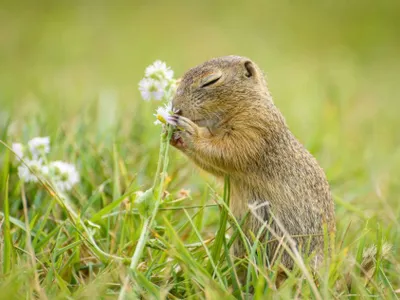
[{"x": 233, "y": 127}]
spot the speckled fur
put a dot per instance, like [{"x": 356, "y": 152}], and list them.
[{"x": 233, "y": 127}]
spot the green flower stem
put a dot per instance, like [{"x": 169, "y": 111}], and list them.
[
  {"x": 160, "y": 157},
  {"x": 141, "y": 243},
  {"x": 159, "y": 180},
  {"x": 148, "y": 221}
]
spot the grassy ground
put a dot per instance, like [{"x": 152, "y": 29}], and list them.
[{"x": 70, "y": 71}]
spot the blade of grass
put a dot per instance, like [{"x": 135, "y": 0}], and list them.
[
  {"x": 214, "y": 267},
  {"x": 110, "y": 207},
  {"x": 150, "y": 287},
  {"x": 30, "y": 250},
  {"x": 44, "y": 220},
  {"x": 195, "y": 268},
  {"x": 60, "y": 251},
  {"x": 378, "y": 252},
  {"x": 116, "y": 174},
  {"x": 220, "y": 237},
  {"x": 17, "y": 223},
  {"x": 235, "y": 279},
  {"x": 7, "y": 249},
  {"x": 388, "y": 283}
]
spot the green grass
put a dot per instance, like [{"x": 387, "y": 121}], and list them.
[{"x": 70, "y": 71}]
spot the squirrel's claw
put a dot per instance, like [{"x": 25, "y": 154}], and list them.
[
  {"x": 182, "y": 123},
  {"x": 173, "y": 120}
]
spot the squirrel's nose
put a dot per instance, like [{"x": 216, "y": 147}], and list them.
[{"x": 176, "y": 106}]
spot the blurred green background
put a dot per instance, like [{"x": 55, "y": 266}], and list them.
[{"x": 333, "y": 68}]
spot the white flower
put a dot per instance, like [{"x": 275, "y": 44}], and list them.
[
  {"x": 152, "y": 89},
  {"x": 28, "y": 171},
  {"x": 163, "y": 113},
  {"x": 159, "y": 70},
  {"x": 18, "y": 149},
  {"x": 64, "y": 175},
  {"x": 39, "y": 146},
  {"x": 158, "y": 82}
]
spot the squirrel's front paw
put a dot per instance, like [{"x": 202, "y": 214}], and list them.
[
  {"x": 185, "y": 133},
  {"x": 183, "y": 124},
  {"x": 177, "y": 141}
]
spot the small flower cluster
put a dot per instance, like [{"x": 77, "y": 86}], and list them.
[
  {"x": 32, "y": 164},
  {"x": 159, "y": 84}
]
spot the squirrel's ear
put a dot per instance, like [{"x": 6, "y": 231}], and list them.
[{"x": 249, "y": 69}]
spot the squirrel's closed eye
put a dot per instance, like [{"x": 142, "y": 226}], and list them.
[{"x": 210, "y": 80}]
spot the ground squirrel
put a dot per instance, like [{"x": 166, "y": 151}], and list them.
[{"x": 229, "y": 125}]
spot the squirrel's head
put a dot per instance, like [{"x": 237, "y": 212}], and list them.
[{"x": 220, "y": 87}]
